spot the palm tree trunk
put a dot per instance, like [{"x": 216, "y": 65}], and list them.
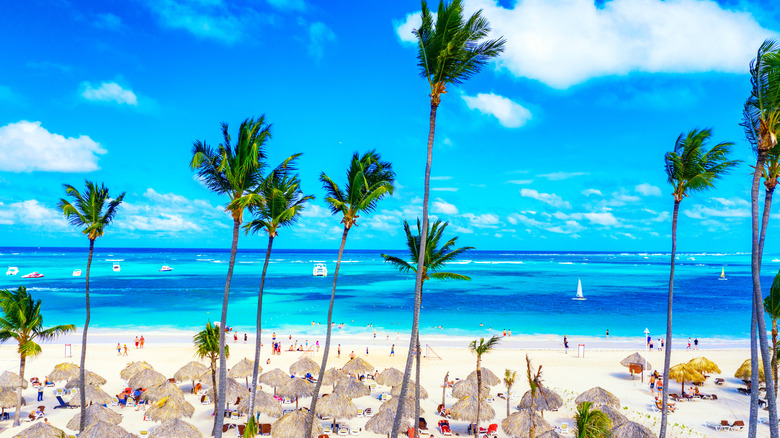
[
  {"x": 418, "y": 278},
  {"x": 418, "y": 356},
  {"x": 479, "y": 394},
  {"x": 326, "y": 351},
  {"x": 753, "y": 414},
  {"x": 444, "y": 388},
  {"x": 668, "y": 348},
  {"x": 22, "y": 363},
  {"x": 774, "y": 352},
  {"x": 256, "y": 369},
  {"x": 219, "y": 418},
  {"x": 82, "y": 363},
  {"x": 771, "y": 380},
  {"x": 508, "y": 390},
  {"x": 214, "y": 382}
]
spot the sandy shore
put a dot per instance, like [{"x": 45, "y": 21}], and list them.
[{"x": 566, "y": 373}]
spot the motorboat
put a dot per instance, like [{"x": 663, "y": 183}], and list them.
[
  {"x": 33, "y": 275},
  {"x": 320, "y": 270},
  {"x": 12, "y": 270},
  {"x": 116, "y": 267},
  {"x": 77, "y": 273},
  {"x": 579, "y": 296},
  {"x": 166, "y": 268}
]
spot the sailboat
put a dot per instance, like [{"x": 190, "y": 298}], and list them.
[
  {"x": 579, "y": 296},
  {"x": 722, "y": 274}
]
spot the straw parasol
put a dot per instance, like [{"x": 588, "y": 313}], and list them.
[
  {"x": 467, "y": 387},
  {"x": 599, "y": 397},
  {"x": 333, "y": 376},
  {"x": 40, "y": 429},
  {"x": 396, "y": 390},
  {"x": 102, "y": 429},
  {"x": 293, "y": 425},
  {"x": 358, "y": 366},
  {"x": 170, "y": 408},
  {"x": 519, "y": 423},
  {"x": 631, "y": 429},
  {"x": 637, "y": 360},
  {"x": 264, "y": 403},
  {"x": 392, "y": 405},
  {"x": 337, "y": 406},
  {"x": 296, "y": 387},
  {"x": 64, "y": 371},
  {"x": 743, "y": 372},
  {"x": 704, "y": 365},
  {"x": 93, "y": 394},
  {"x": 352, "y": 388},
  {"x": 615, "y": 416},
  {"x": 488, "y": 378},
  {"x": 175, "y": 428},
  {"x": 93, "y": 414},
  {"x": 8, "y": 398},
  {"x": 234, "y": 391},
  {"x": 92, "y": 379},
  {"x": 684, "y": 373},
  {"x": 9, "y": 380},
  {"x": 382, "y": 422},
  {"x": 132, "y": 369},
  {"x": 303, "y": 366},
  {"x": 244, "y": 368},
  {"x": 146, "y": 379},
  {"x": 192, "y": 371},
  {"x": 164, "y": 389},
  {"x": 550, "y": 434},
  {"x": 466, "y": 409},
  {"x": 274, "y": 378},
  {"x": 390, "y": 377},
  {"x": 545, "y": 400}
]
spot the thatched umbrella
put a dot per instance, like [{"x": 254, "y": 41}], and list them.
[
  {"x": 132, "y": 369},
  {"x": 274, "y": 378},
  {"x": 175, "y": 428},
  {"x": 333, "y": 376},
  {"x": 40, "y": 429},
  {"x": 293, "y": 425},
  {"x": 9, "y": 380},
  {"x": 264, "y": 403},
  {"x": 615, "y": 416},
  {"x": 296, "y": 387},
  {"x": 352, "y": 388},
  {"x": 684, "y": 373},
  {"x": 64, "y": 371},
  {"x": 390, "y": 377},
  {"x": 337, "y": 406},
  {"x": 488, "y": 378},
  {"x": 244, "y": 368},
  {"x": 466, "y": 409},
  {"x": 92, "y": 379},
  {"x": 164, "y": 389},
  {"x": 8, "y": 399},
  {"x": 303, "y": 366},
  {"x": 468, "y": 387},
  {"x": 743, "y": 372},
  {"x": 102, "y": 429},
  {"x": 382, "y": 422},
  {"x": 638, "y": 360},
  {"x": 395, "y": 391},
  {"x": 358, "y": 366},
  {"x": 545, "y": 400},
  {"x": 146, "y": 379},
  {"x": 170, "y": 408},
  {"x": 93, "y": 414},
  {"x": 93, "y": 395},
  {"x": 598, "y": 396},
  {"x": 392, "y": 405},
  {"x": 704, "y": 365},
  {"x": 631, "y": 429},
  {"x": 234, "y": 391},
  {"x": 519, "y": 423},
  {"x": 192, "y": 371},
  {"x": 550, "y": 434}
]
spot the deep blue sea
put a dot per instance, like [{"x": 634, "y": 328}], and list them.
[{"x": 527, "y": 292}]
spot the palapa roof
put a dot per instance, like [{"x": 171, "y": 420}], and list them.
[
  {"x": 615, "y": 416},
  {"x": 466, "y": 409},
  {"x": 390, "y": 377},
  {"x": 8, "y": 398},
  {"x": 519, "y": 423},
  {"x": 133, "y": 368},
  {"x": 382, "y": 421},
  {"x": 176, "y": 428},
  {"x": 395, "y": 391},
  {"x": 274, "y": 378},
  {"x": 192, "y": 371},
  {"x": 352, "y": 388},
  {"x": 170, "y": 408},
  {"x": 93, "y": 414},
  {"x": 704, "y": 365},
  {"x": 233, "y": 391},
  {"x": 488, "y": 378},
  {"x": 599, "y": 397},
  {"x": 468, "y": 387},
  {"x": 9, "y": 380},
  {"x": 293, "y": 425},
  {"x": 296, "y": 387},
  {"x": 684, "y": 373},
  {"x": 93, "y": 394},
  {"x": 358, "y": 366},
  {"x": 101, "y": 429},
  {"x": 164, "y": 389},
  {"x": 91, "y": 378},
  {"x": 550, "y": 434},
  {"x": 146, "y": 379},
  {"x": 304, "y": 365},
  {"x": 337, "y": 406},
  {"x": 333, "y": 376},
  {"x": 39, "y": 429},
  {"x": 392, "y": 406},
  {"x": 264, "y": 403},
  {"x": 744, "y": 371},
  {"x": 546, "y": 400},
  {"x": 636, "y": 359},
  {"x": 64, "y": 371},
  {"x": 631, "y": 429},
  {"x": 244, "y": 368}
]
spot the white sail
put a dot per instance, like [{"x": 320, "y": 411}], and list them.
[{"x": 579, "y": 289}]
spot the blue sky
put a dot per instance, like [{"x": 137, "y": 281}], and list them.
[{"x": 558, "y": 145}]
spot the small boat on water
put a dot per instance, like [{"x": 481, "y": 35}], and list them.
[
  {"x": 116, "y": 267},
  {"x": 722, "y": 274},
  {"x": 166, "y": 268},
  {"x": 33, "y": 275},
  {"x": 77, "y": 273},
  {"x": 320, "y": 270},
  {"x": 12, "y": 270},
  {"x": 579, "y": 296}
]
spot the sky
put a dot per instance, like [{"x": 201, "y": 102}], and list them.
[{"x": 557, "y": 145}]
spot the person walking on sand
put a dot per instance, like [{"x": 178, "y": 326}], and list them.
[
  {"x": 696, "y": 344},
  {"x": 142, "y": 341},
  {"x": 235, "y": 338},
  {"x": 392, "y": 350},
  {"x": 689, "y": 344},
  {"x": 339, "y": 351},
  {"x": 125, "y": 350},
  {"x": 352, "y": 354},
  {"x": 136, "y": 342},
  {"x": 566, "y": 344},
  {"x": 118, "y": 349},
  {"x": 318, "y": 346}
]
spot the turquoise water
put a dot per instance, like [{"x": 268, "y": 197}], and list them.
[{"x": 526, "y": 292}]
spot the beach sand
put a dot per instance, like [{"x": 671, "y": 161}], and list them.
[{"x": 566, "y": 373}]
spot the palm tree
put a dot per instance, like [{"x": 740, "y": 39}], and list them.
[
  {"x": 22, "y": 321},
  {"x": 369, "y": 179},
  {"x": 480, "y": 348},
  {"x": 761, "y": 120},
  {"x": 92, "y": 211},
  {"x": 534, "y": 382},
  {"x": 207, "y": 347},
  {"x": 282, "y": 204},
  {"x": 448, "y": 52},
  {"x": 509, "y": 381},
  {"x": 772, "y": 308},
  {"x": 689, "y": 168},
  {"x": 592, "y": 423}
]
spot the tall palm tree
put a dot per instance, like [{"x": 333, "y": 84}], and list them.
[
  {"x": 510, "y": 377},
  {"x": 207, "y": 347},
  {"x": 481, "y": 348},
  {"x": 282, "y": 204},
  {"x": 22, "y": 321},
  {"x": 535, "y": 383},
  {"x": 92, "y": 211},
  {"x": 449, "y": 51},
  {"x": 592, "y": 423},
  {"x": 690, "y": 168},
  {"x": 761, "y": 120},
  {"x": 369, "y": 179},
  {"x": 772, "y": 308}
]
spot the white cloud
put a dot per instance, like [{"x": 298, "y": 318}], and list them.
[
  {"x": 441, "y": 178},
  {"x": 405, "y": 27},
  {"x": 605, "y": 218},
  {"x": 293, "y": 5},
  {"x": 314, "y": 210},
  {"x": 26, "y": 147},
  {"x": 443, "y": 207},
  {"x": 509, "y": 114},
  {"x": 108, "y": 92},
  {"x": 621, "y": 198},
  {"x": 487, "y": 220},
  {"x": 170, "y": 214},
  {"x": 547, "y": 198},
  {"x": 444, "y": 189},
  {"x": 203, "y": 18},
  {"x": 588, "y": 192},
  {"x": 699, "y": 211},
  {"x": 31, "y": 213},
  {"x": 520, "y": 181},
  {"x": 319, "y": 36},
  {"x": 648, "y": 190},
  {"x": 732, "y": 202},
  {"x": 557, "y": 176}
]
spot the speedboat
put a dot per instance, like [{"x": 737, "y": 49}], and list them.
[
  {"x": 320, "y": 270},
  {"x": 12, "y": 270},
  {"x": 77, "y": 273},
  {"x": 33, "y": 275},
  {"x": 116, "y": 267},
  {"x": 166, "y": 268}
]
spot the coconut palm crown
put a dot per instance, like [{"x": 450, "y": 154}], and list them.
[{"x": 690, "y": 167}]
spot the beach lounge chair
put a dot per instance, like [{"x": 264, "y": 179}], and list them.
[
  {"x": 367, "y": 412},
  {"x": 719, "y": 381},
  {"x": 63, "y": 404},
  {"x": 738, "y": 425},
  {"x": 265, "y": 429},
  {"x": 355, "y": 430},
  {"x": 745, "y": 391},
  {"x": 564, "y": 428},
  {"x": 59, "y": 391},
  {"x": 143, "y": 433},
  {"x": 204, "y": 400},
  {"x": 343, "y": 431},
  {"x": 444, "y": 428},
  {"x": 115, "y": 401},
  {"x": 492, "y": 430},
  {"x": 324, "y": 435},
  {"x": 326, "y": 430}
]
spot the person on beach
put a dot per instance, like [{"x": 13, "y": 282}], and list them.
[
  {"x": 40, "y": 393},
  {"x": 125, "y": 350},
  {"x": 504, "y": 332},
  {"x": 689, "y": 344},
  {"x": 235, "y": 338},
  {"x": 566, "y": 344},
  {"x": 366, "y": 351},
  {"x": 142, "y": 341},
  {"x": 245, "y": 336},
  {"x": 136, "y": 342},
  {"x": 509, "y": 332},
  {"x": 651, "y": 345},
  {"x": 118, "y": 349},
  {"x": 652, "y": 382},
  {"x": 607, "y": 333},
  {"x": 339, "y": 351},
  {"x": 696, "y": 344},
  {"x": 318, "y": 346},
  {"x": 392, "y": 350},
  {"x": 273, "y": 337},
  {"x": 352, "y": 354},
  {"x": 663, "y": 343}
]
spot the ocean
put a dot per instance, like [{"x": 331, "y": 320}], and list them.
[{"x": 526, "y": 292}]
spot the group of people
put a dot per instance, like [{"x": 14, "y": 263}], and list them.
[
  {"x": 139, "y": 342},
  {"x": 36, "y": 383},
  {"x": 135, "y": 394}
]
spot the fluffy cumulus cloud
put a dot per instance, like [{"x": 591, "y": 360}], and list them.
[
  {"x": 27, "y": 146},
  {"x": 719, "y": 208},
  {"x": 509, "y": 114},
  {"x": 547, "y": 198},
  {"x": 588, "y": 192},
  {"x": 210, "y": 19},
  {"x": 169, "y": 214},
  {"x": 487, "y": 220},
  {"x": 31, "y": 213},
  {"x": 646, "y": 189},
  {"x": 566, "y": 42},
  {"x": 319, "y": 36},
  {"x": 108, "y": 92},
  {"x": 558, "y": 176},
  {"x": 443, "y": 207}
]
